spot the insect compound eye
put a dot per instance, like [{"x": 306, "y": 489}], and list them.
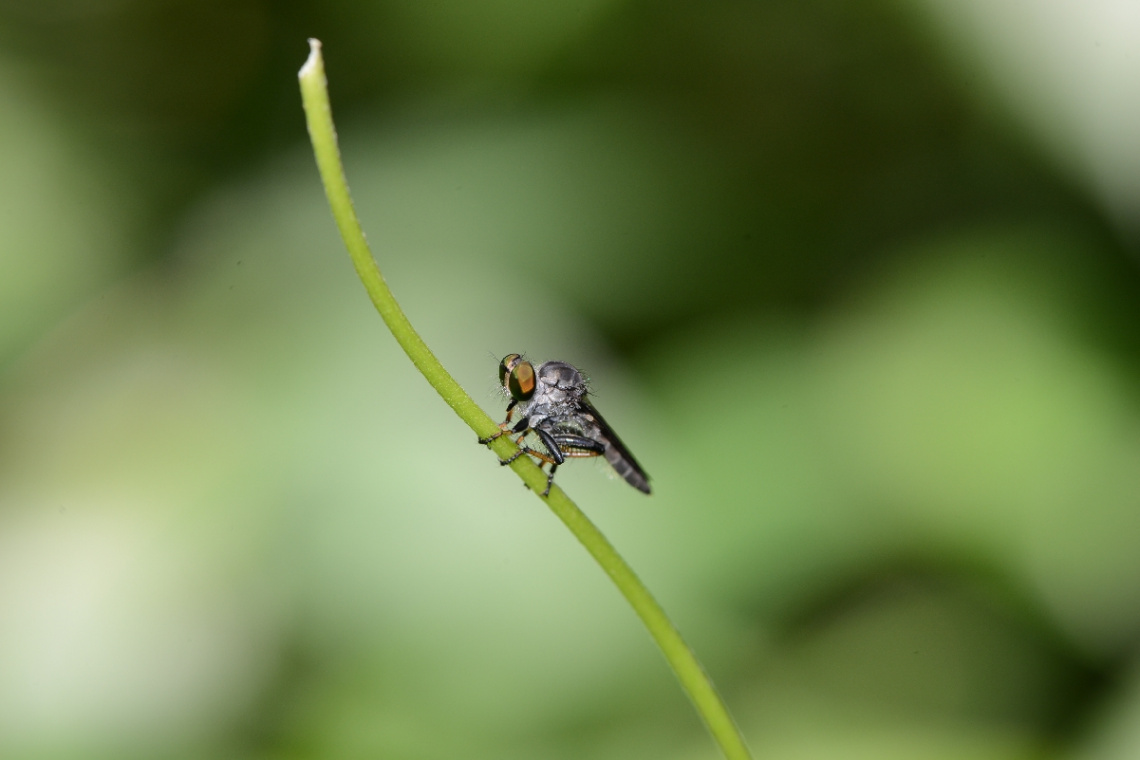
[
  {"x": 506, "y": 365},
  {"x": 521, "y": 381}
]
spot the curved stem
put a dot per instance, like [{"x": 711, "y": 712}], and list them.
[{"x": 696, "y": 683}]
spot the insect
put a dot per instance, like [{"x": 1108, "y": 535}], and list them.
[{"x": 551, "y": 399}]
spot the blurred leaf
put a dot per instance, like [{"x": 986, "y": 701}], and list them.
[{"x": 62, "y": 225}]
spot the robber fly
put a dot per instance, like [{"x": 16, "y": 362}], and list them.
[{"x": 551, "y": 399}]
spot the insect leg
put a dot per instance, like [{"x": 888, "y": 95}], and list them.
[
  {"x": 578, "y": 446},
  {"x": 503, "y": 424},
  {"x": 549, "y": 480},
  {"x": 556, "y": 458}
]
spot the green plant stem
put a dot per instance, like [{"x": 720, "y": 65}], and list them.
[{"x": 696, "y": 683}]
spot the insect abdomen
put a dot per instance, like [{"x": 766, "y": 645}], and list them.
[{"x": 627, "y": 469}]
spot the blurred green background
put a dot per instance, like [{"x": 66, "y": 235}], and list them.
[{"x": 859, "y": 284}]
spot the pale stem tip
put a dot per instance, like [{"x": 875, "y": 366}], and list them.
[{"x": 314, "y": 57}]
